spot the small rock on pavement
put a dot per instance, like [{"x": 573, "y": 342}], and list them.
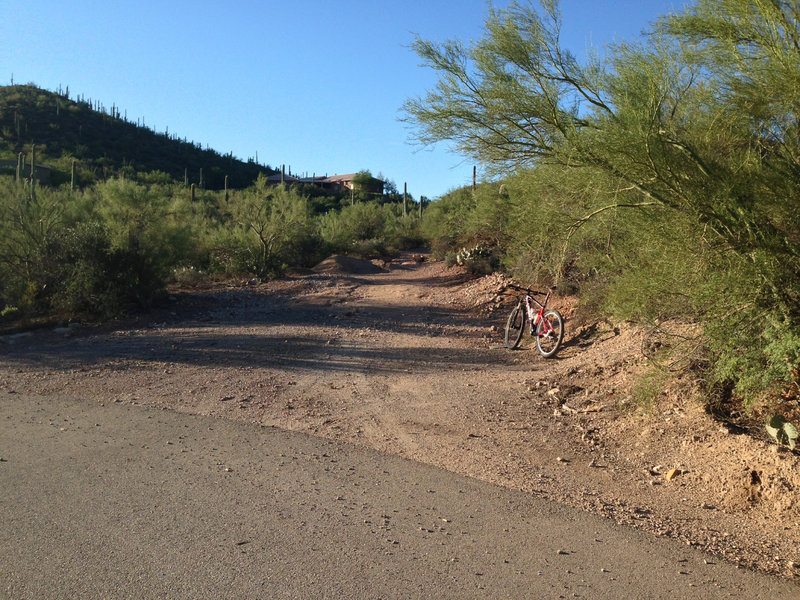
[{"x": 672, "y": 474}]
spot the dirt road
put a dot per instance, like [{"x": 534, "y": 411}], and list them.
[{"x": 407, "y": 360}]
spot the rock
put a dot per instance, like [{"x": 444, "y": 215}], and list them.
[{"x": 672, "y": 474}]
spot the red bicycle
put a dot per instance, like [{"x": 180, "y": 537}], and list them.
[{"x": 546, "y": 325}]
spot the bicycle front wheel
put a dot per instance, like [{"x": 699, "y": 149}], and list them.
[
  {"x": 549, "y": 333},
  {"x": 515, "y": 326}
]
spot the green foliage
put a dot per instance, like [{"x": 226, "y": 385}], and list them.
[
  {"x": 466, "y": 217},
  {"x": 782, "y": 431},
  {"x": 90, "y": 277},
  {"x": 56, "y": 256},
  {"x": 274, "y": 229},
  {"x": 26, "y": 225},
  {"x": 9, "y": 312},
  {"x": 145, "y": 220},
  {"x": 660, "y": 181},
  {"x": 369, "y": 229},
  {"x": 366, "y": 186}
]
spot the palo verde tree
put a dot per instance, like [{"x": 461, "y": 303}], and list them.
[
  {"x": 275, "y": 228},
  {"x": 697, "y": 124},
  {"x": 366, "y": 186}
]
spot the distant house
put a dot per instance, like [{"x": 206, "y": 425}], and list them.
[
  {"x": 335, "y": 183},
  {"x": 42, "y": 171},
  {"x": 340, "y": 182}
]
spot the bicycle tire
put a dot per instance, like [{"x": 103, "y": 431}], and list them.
[
  {"x": 515, "y": 326},
  {"x": 549, "y": 342}
]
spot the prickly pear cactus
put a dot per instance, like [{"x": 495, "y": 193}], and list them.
[{"x": 782, "y": 431}]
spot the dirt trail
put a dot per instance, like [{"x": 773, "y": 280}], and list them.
[{"x": 408, "y": 360}]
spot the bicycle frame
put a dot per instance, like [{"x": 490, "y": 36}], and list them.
[{"x": 535, "y": 316}]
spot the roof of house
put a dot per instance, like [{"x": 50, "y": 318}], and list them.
[
  {"x": 335, "y": 178},
  {"x": 347, "y": 177},
  {"x": 280, "y": 178}
]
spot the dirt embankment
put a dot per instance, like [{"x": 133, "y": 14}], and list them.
[{"x": 406, "y": 357}]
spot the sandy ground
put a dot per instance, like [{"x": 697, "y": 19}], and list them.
[{"x": 406, "y": 357}]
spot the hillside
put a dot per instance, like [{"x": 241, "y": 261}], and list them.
[{"x": 105, "y": 142}]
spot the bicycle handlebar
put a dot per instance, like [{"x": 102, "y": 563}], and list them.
[{"x": 529, "y": 290}]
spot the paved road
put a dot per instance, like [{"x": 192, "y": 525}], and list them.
[{"x": 127, "y": 502}]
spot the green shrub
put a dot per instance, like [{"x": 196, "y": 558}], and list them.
[
  {"x": 96, "y": 279},
  {"x": 271, "y": 228},
  {"x": 370, "y": 229},
  {"x": 467, "y": 217}
]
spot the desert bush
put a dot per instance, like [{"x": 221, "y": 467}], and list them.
[
  {"x": 357, "y": 222},
  {"x": 443, "y": 221},
  {"x": 370, "y": 229},
  {"x": 57, "y": 257},
  {"x": 27, "y": 223},
  {"x": 271, "y": 228},
  {"x": 94, "y": 278},
  {"x": 469, "y": 217},
  {"x": 145, "y": 220}
]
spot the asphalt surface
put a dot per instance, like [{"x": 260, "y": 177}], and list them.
[{"x": 115, "y": 501}]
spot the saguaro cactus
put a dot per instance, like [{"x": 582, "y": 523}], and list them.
[{"x": 33, "y": 172}]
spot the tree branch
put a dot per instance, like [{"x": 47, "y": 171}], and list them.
[{"x": 594, "y": 213}]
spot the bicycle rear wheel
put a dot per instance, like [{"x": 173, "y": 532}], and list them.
[
  {"x": 549, "y": 333},
  {"x": 515, "y": 326}
]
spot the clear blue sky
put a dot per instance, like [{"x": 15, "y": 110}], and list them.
[{"x": 315, "y": 85}]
